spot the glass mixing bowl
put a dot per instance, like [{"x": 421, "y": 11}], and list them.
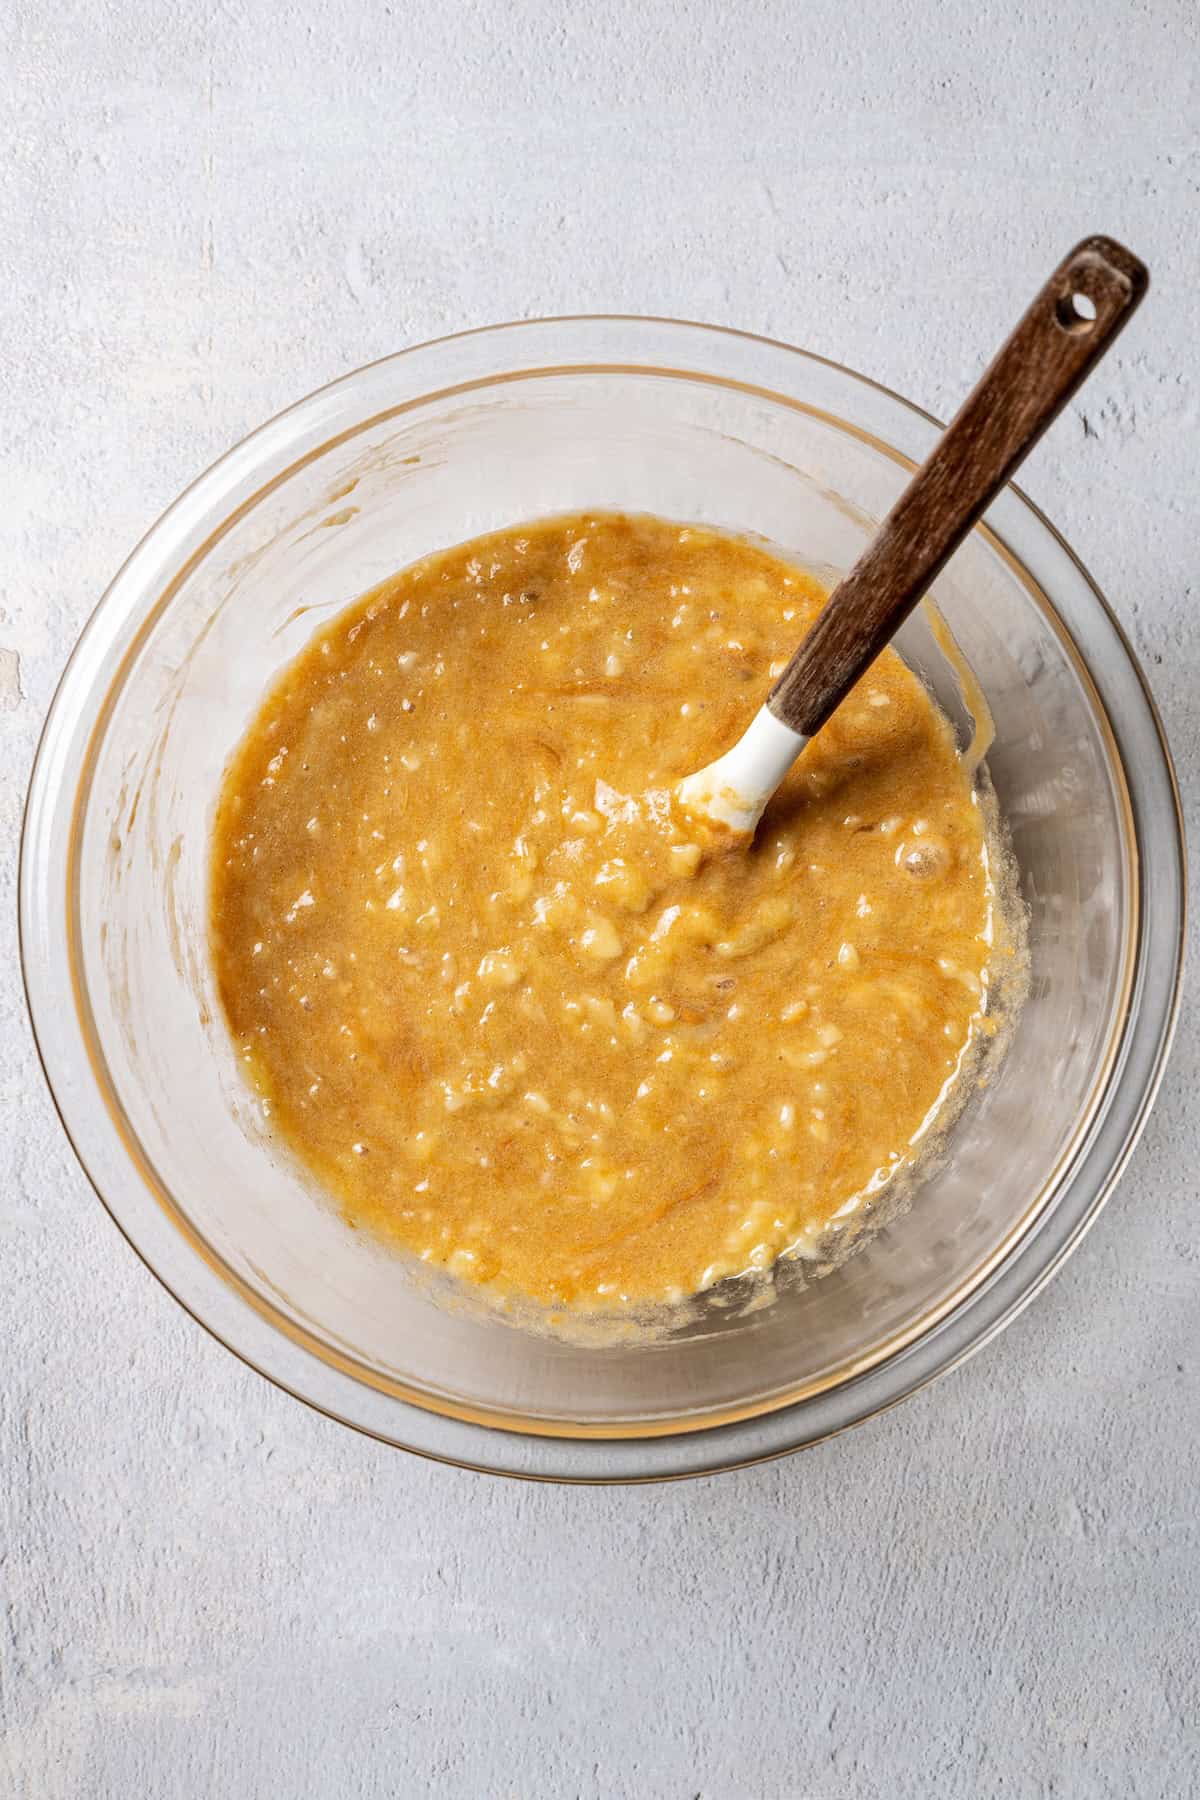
[{"x": 418, "y": 452}]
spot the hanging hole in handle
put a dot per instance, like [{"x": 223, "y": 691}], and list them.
[{"x": 1076, "y": 312}]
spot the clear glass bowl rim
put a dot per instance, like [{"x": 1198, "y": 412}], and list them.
[{"x": 719, "y": 355}]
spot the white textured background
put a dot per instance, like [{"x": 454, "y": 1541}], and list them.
[{"x": 206, "y": 210}]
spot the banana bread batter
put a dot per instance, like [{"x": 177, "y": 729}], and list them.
[{"x": 501, "y": 995}]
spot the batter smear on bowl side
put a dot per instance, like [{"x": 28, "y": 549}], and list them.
[{"x": 510, "y": 1005}]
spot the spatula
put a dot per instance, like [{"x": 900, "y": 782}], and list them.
[{"x": 1062, "y": 336}]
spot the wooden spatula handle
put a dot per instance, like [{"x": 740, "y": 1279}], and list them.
[{"x": 1068, "y": 328}]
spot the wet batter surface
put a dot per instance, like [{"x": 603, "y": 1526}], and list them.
[{"x": 496, "y": 989}]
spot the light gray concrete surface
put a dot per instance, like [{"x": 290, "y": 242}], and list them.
[{"x": 205, "y": 211}]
